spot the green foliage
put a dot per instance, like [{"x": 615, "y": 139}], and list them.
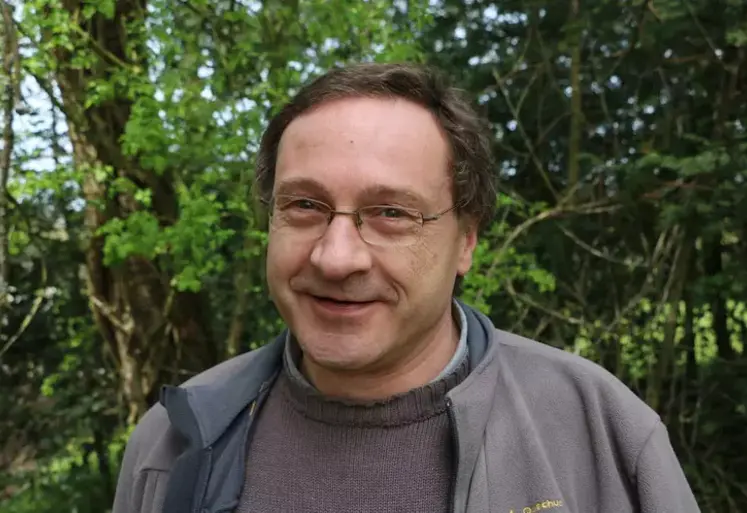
[{"x": 70, "y": 481}]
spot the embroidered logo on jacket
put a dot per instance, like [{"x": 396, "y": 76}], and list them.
[{"x": 540, "y": 506}]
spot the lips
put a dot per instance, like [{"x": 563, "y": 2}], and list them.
[
  {"x": 335, "y": 309},
  {"x": 340, "y": 301}
]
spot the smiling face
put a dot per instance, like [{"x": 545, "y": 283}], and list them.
[{"x": 348, "y": 154}]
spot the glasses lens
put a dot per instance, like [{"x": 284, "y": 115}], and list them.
[
  {"x": 390, "y": 226},
  {"x": 300, "y": 217}
]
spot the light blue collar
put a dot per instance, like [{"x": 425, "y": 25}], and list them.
[{"x": 461, "y": 351}]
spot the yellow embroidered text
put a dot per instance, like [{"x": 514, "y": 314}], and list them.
[{"x": 540, "y": 506}]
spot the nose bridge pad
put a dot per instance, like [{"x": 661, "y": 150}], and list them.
[{"x": 357, "y": 220}]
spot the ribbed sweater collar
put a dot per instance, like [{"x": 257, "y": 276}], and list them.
[{"x": 409, "y": 407}]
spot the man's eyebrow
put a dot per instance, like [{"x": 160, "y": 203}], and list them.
[
  {"x": 386, "y": 193},
  {"x": 300, "y": 185},
  {"x": 373, "y": 193}
]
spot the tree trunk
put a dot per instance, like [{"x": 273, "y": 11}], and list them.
[
  {"x": 145, "y": 322},
  {"x": 689, "y": 388},
  {"x": 11, "y": 82},
  {"x": 574, "y": 143},
  {"x": 673, "y": 295},
  {"x": 713, "y": 269}
]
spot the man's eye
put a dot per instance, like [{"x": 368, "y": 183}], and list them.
[
  {"x": 393, "y": 213},
  {"x": 304, "y": 204},
  {"x": 299, "y": 204}
]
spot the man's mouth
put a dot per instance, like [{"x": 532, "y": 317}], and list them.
[
  {"x": 340, "y": 301},
  {"x": 337, "y": 307}
]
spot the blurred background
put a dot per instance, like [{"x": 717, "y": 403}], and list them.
[{"x": 131, "y": 250}]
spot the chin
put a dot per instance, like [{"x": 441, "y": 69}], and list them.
[{"x": 340, "y": 351}]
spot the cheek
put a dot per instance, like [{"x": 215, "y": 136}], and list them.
[
  {"x": 417, "y": 268},
  {"x": 435, "y": 263},
  {"x": 423, "y": 260},
  {"x": 283, "y": 259}
]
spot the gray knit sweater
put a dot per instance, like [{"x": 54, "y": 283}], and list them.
[{"x": 312, "y": 454}]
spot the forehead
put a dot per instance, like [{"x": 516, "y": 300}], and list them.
[{"x": 361, "y": 144}]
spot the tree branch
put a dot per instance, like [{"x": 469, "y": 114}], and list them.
[
  {"x": 527, "y": 141},
  {"x": 524, "y": 298},
  {"x": 588, "y": 248},
  {"x": 556, "y": 212},
  {"x": 32, "y": 313}
]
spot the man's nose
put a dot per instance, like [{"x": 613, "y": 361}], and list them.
[{"x": 341, "y": 252}]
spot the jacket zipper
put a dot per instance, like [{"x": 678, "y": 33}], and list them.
[
  {"x": 253, "y": 406},
  {"x": 455, "y": 444},
  {"x": 205, "y": 471}
]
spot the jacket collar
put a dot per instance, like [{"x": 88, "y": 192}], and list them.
[
  {"x": 471, "y": 403},
  {"x": 202, "y": 408}
]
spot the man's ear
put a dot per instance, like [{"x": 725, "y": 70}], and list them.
[{"x": 469, "y": 242}]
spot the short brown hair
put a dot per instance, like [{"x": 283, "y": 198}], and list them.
[{"x": 467, "y": 133}]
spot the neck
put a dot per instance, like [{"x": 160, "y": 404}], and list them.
[{"x": 401, "y": 373}]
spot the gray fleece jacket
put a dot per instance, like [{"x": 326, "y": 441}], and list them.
[{"x": 535, "y": 429}]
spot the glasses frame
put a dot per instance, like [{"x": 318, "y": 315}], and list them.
[{"x": 331, "y": 212}]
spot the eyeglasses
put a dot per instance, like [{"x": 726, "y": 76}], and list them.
[{"x": 378, "y": 225}]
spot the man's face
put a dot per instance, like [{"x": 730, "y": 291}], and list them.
[{"x": 349, "y": 154}]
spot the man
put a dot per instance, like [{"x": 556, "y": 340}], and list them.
[{"x": 386, "y": 394}]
